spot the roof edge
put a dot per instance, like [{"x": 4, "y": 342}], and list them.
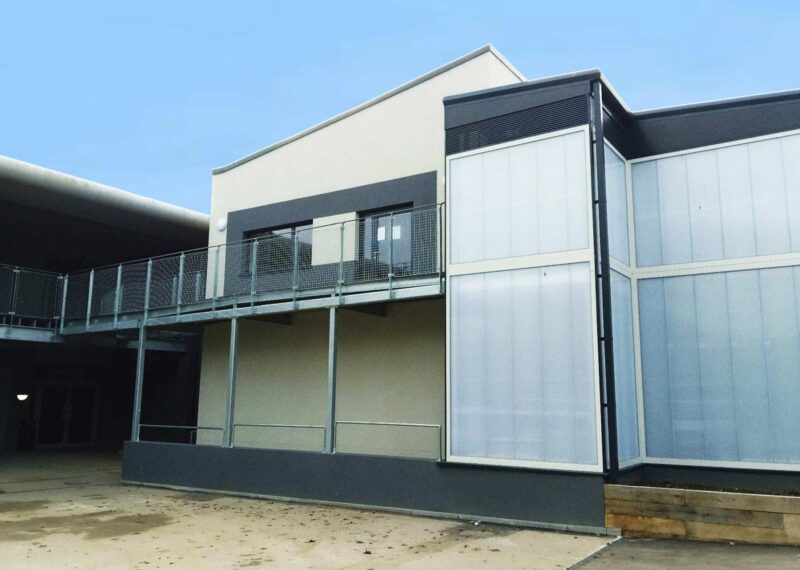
[
  {"x": 488, "y": 48},
  {"x": 715, "y": 104},
  {"x": 66, "y": 185}
]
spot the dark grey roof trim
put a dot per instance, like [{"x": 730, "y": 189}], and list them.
[
  {"x": 406, "y": 86},
  {"x": 719, "y": 104},
  {"x": 552, "y": 81}
]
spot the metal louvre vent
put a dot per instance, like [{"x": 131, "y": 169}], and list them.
[{"x": 529, "y": 122}]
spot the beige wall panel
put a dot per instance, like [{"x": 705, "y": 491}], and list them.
[
  {"x": 281, "y": 380},
  {"x": 391, "y": 369},
  {"x": 400, "y": 136}
]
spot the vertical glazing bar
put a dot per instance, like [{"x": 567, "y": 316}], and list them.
[
  {"x": 390, "y": 275},
  {"x": 216, "y": 279},
  {"x": 181, "y": 264},
  {"x": 341, "y": 259},
  {"x": 64, "y": 302},
  {"x": 253, "y": 272},
  {"x": 147, "y": 288},
  {"x": 330, "y": 423},
  {"x": 232, "y": 369},
  {"x": 137, "y": 394},
  {"x": 117, "y": 294},
  {"x": 89, "y": 299}
]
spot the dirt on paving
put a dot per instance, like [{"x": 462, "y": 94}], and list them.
[{"x": 70, "y": 511}]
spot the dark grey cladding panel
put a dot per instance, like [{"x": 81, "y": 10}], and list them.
[
  {"x": 532, "y": 121},
  {"x": 742, "y": 479},
  {"x": 463, "y": 112},
  {"x": 416, "y": 190},
  {"x": 685, "y": 128},
  {"x": 523, "y": 495}
]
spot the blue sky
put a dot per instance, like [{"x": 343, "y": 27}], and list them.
[{"x": 149, "y": 96}]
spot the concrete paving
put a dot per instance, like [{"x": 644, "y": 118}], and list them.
[
  {"x": 630, "y": 553},
  {"x": 68, "y": 510}
]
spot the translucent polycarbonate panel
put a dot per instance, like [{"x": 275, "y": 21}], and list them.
[
  {"x": 721, "y": 365},
  {"x": 624, "y": 371},
  {"x": 524, "y": 199},
  {"x": 726, "y": 203},
  {"x": 617, "y": 204},
  {"x": 522, "y": 376}
]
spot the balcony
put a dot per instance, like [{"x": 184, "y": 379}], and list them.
[{"x": 393, "y": 256}]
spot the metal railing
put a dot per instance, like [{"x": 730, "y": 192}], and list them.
[
  {"x": 191, "y": 429},
  {"x": 279, "y": 426},
  {"x": 307, "y": 261},
  {"x": 437, "y": 427},
  {"x": 29, "y": 298}
]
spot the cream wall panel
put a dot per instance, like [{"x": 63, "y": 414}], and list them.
[
  {"x": 400, "y": 136},
  {"x": 391, "y": 369},
  {"x": 281, "y": 379}
]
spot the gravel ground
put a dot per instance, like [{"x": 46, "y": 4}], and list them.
[{"x": 67, "y": 510}]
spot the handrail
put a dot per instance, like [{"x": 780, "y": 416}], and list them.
[
  {"x": 165, "y": 426},
  {"x": 134, "y": 261},
  {"x": 290, "y": 426},
  {"x": 312, "y": 262},
  {"x": 396, "y": 424}
]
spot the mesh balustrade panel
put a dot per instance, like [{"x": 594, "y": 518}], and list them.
[
  {"x": 164, "y": 282},
  {"x": 320, "y": 251},
  {"x": 104, "y": 288},
  {"x": 133, "y": 284},
  {"x": 6, "y": 288},
  {"x": 77, "y": 295},
  {"x": 195, "y": 271},
  {"x": 36, "y": 295}
]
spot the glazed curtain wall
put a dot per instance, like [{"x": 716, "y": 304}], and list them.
[
  {"x": 717, "y": 233},
  {"x": 621, "y": 308},
  {"x": 522, "y": 378}
]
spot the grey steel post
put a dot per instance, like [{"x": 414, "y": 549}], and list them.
[
  {"x": 63, "y": 303},
  {"x": 341, "y": 260},
  {"x": 391, "y": 252},
  {"x": 147, "y": 288},
  {"x": 14, "y": 289},
  {"x": 117, "y": 294},
  {"x": 216, "y": 280},
  {"x": 137, "y": 394},
  {"x": 330, "y": 423},
  {"x": 253, "y": 272},
  {"x": 89, "y": 299},
  {"x": 232, "y": 369},
  {"x": 181, "y": 264},
  {"x": 440, "y": 242},
  {"x": 295, "y": 267}
]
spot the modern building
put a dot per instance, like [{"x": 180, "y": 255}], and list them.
[{"x": 480, "y": 296}]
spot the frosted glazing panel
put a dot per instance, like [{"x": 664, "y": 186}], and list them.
[
  {"x": 624, "y": 371},
  {"x": 732, "y": 202},
  {"x": 522, "y": 380},
  {"x": 721, "y": 365},
  {"x": 525, "y": 199},
  {"x": 616, "y": 196}
]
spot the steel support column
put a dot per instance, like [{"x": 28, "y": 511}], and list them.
[
  {"x": 233, "y": 357},
  {"x": 137, "y": 394},
  {"x": 330, "y": 423}
]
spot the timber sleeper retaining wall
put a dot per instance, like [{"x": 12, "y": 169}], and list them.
[{"x": 703, "y": 515}]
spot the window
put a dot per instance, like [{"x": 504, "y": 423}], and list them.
[{"x": 275, "y": 249}]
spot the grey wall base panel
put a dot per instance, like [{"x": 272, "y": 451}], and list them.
[
  {"x": 562, "y": 501},
  {"x": 740, "y": 479}
]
